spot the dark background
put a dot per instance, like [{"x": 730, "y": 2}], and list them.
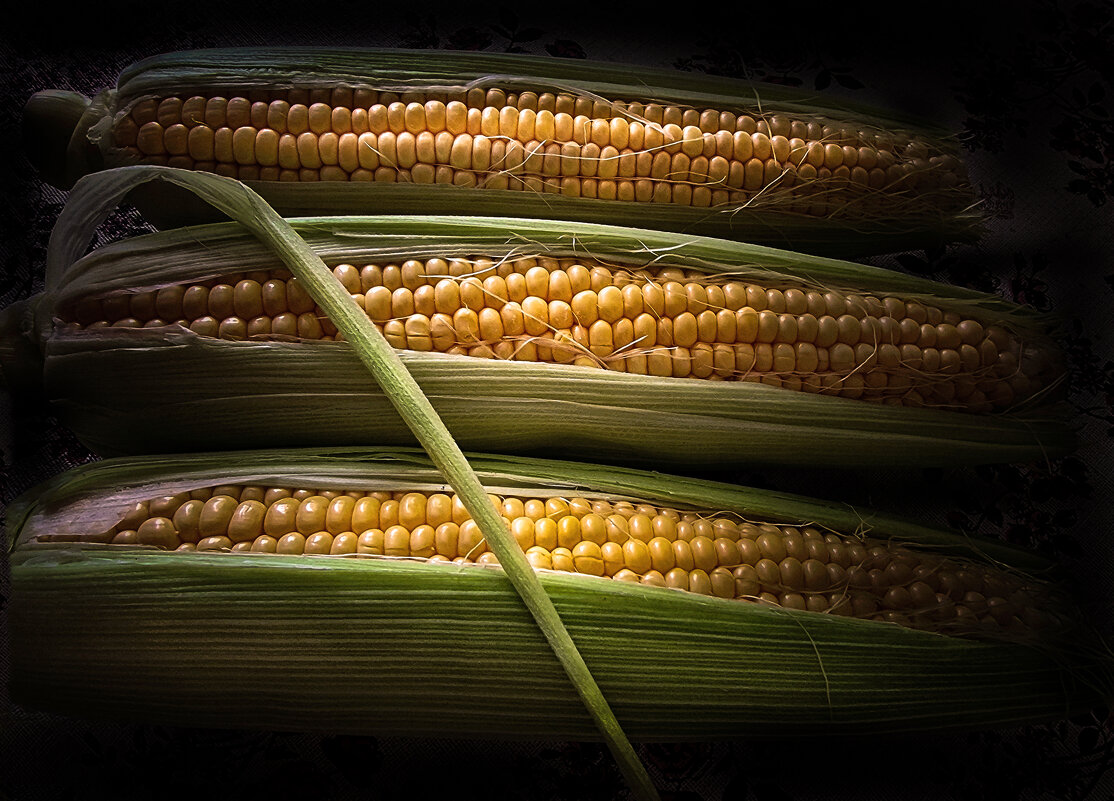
[{"x": 1027, "y": 86}]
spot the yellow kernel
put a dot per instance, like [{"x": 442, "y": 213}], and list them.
[
  {"x": 319, "y": 543},
  {"x": 588, "y": 558},
  {"x": 292, "y": 543},
  {"x": 310, "y": 517}
]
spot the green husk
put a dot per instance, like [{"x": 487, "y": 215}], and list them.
[
  {"x": 398, "y": 69},
  {"x": 245, "y": 69},
  {"x": 110, "y": 385},
  {"x": 403, "y": 647},
  {"x": 381, "y": 360}
]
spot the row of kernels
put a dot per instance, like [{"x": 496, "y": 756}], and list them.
[
  {"x": 611, "y": 304},
  {"x": 717, "y": 343},
  {"x": 536, "y": 271},
  {"x": 247, "y": 510},
  {"x": 247, "y": 296},
  {"x": 791, "y": 584},
  {"x": 809, "y": 586},
  {"x": 749, "y": 186},
  {"x": 204, "y": 512},
  {"x": 248, "y": 154},
  {"x": 300, "y": 114},
  {"x": 283, "y": 326},
  {"x": 828, "y": 316},
  {"x": 409, "y": 525},
  {"x": 480, "y": 149},
  {"x": 662, "y": 293},
  {"x": 797, "y": 567},
  {"x": 253, "y": 108},
  {"x": 509, "y": 334},
  {"x": 555, "y": 279},
  {"x": 659, "y": 348},
  {"x": 801, "y": 365},
  {"x": 264, "y": 155},
  {"x": 626, "y": 190}
]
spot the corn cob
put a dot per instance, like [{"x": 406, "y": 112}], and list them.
[
  {"x": 541, "y": 136},
  {"x": 659, "y": 321},
  {"x": 750, "y": 350},
  {"x": 792, "y": 566},
  {"x": 964, "y": 632}
]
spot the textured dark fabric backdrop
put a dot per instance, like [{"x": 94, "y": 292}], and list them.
[{"x": 1028, "y": 89}]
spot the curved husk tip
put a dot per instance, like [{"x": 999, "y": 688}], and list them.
[{"x": 50, "y": 120}]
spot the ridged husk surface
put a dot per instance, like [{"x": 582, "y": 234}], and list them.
[{"x": 399, "y": 646}]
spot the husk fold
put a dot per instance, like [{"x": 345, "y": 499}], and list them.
[
  {"x": 244, "y": 69},
  {"x": 402, "y": 647},
  {"x": 110, "y": 385}
]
